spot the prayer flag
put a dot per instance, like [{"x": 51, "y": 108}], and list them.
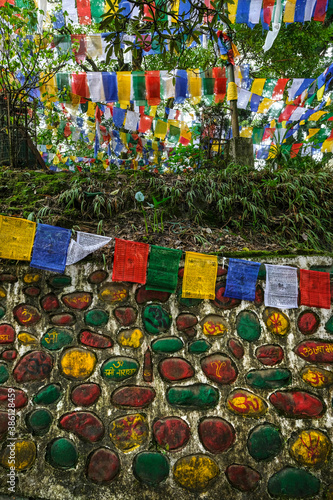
[
  {"x": 124, "y": 87},
  {"x": 315, "y": 289},
  {"x": 281, "y": 287},
  {"x": 153, "y": 88},
  {"x": 145, "y": 123},
  {"x": 16, "y": 238},
  {"x": 163, "y": 269},
  {"x": 241, "y": 279},
  {"x": 110, "y": 86},
  {"x": 132, "y": 120},
  {"x": 50, "y": 248},
  {"x": 181, "y": 86},
  {"x": 83, "y": 11},
  {"x": 200, "y": 274},
  {"x": 85, "y": 244},
  {"x": 119, "y": 117},
  {"x": 130, "y": 261}
]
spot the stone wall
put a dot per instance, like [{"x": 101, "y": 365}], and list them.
[{"x": 123, "y": 393}]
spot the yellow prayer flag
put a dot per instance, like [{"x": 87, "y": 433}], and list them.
[
  {"x": 123, "y": 137},
  {"x": 318, "y": 114},
  {"x": 258, "y": 86},
  {"x": 246, "y": 132},
  {"x": 289, "y": 11},
  {"x": 16, "y": 238},
  {"x": 194, "y": 80},
  {"x": 161, "y": 129},
  {"x": 312, "y": 132},
  {"x": 175, "y": 10},
  {"x": 328, "y": 102},
  {"x": 327, "y": 146},
  {"x": 232, "y": 9},
  {"x": 273, "y": 123},
  {"x": 91, "y": 109},
  {"x": 152, "y": 111},
  {"x": 49, "y": 88},
  {"x": 200, "y": 274},
  {"x": 265, "y": 104},
  {"x": 235, "y": 50},
  {"x": 91, "y": 136},
  {"x": 124, "y": 87},
  {"x": 320, "y": 93}
]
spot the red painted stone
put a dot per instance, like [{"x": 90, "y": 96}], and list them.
[
  {"x": 32, "y": 291},
  {"x": 3, "y": 424},
  {"x": 222, "y": 271},
  {"x": 9, "y": 354},
  {"x": 236, "y": 348},
  {"x": 85, "y": 394},
  {"x": 20, "y": 400},
  {"x": 216, "y": 434},
  {"x": 7, "y": 334},
  {"x": 315, "y": 351},
  {"x": 185, "y": 321},
  {"x": 224, "y": 302},
  {"x": 148, "y": 366},
  {"x": 269, "y": 354},
  {"x": 77, "y": 300},
  {"x": 133, "y": 396},
  {"x": 26, "y": 315},
  {"x": 181, "y": 272},
  {"x": 308, "y": 322},
  {"x": 35, "y": 365},
  {"x": 63, "y": 319},
  {"x": 7, "y": 278},
  {"x": 298, "y": 404},
  {"x": 173, "y": 369},
  {"x": 96, "y": 340},
  {"x": 126, "y": 315},
  {"x": 50, "y": 303},
  {"x": 97, "y": 277},
  {"x": 259, "y": 296},
  {"x": 83, "y": 424},
  {"x": 103, "y": 466},
  {"x": 219, "y": 368},
  {"x": 171, "y": 433},
  {"x": 143, "y": 295},
  {"x": 190, "y": 332},
  {"x": 242, "y": 477}
]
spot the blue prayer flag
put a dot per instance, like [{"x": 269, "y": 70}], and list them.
[
  {"x": 181, "y": 86},
  {"x": 110, "y": 86},
  {"x": 241, "y": 279},
  {"x": 50, "y": 248},
  {"x": 255, "y": 101},
  {"x": 119, "y": 116}
]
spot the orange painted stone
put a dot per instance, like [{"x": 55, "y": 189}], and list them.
[
  {"x": 83, "y": 424},
  {"x": 224, "y": 302},
  {"x": 242, "y": 477},
  {"x": 77, "y": 300},
  {"x": 315, "y": 351},
  {"x": 246, "y": 404},
  {"x": 126, "y": 315},
  {"x": 317, "y": 377},
  {"x": 113, "y": 293},
  {"x": 171, "y": 433},
  {"x": 97, "y": 277},
  {"x": 174, "y": 369},
  {"x": 216, "y": 434},
  {"x": 32, "y": 291},
  {"x": 36, "y": 365},
  {"x": 219, "y": 368},
  {"x": 7, "y": 334},
  {"x": 297, "y": 404},
  {"x": 269, "y": 354},
  {"x": 236, "y": 348},
  {"x": 50, "y": 302},
  {"x": 20, "y": 399},
  {"x": 133, "y": 396},
  {"x": 95, "y": 340},
  {"x": 308, "y": 322},
  {"x": 63, "y": 319},
  {"x": 26, "y": 315},
  {"x": 103, "y": 466},
  {"x": 143, "y": 296},
  {"x": 9, "y": 354},
  {"x": 86, "y": 394}
]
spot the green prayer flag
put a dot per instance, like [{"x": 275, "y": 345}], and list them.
[
  {"x": 208, "y": 86},
  {"x": 62, "y": 80},
  {"x": 62, "y": 43},
  {"x": 139, "y": 87},
  {"x": 257, "y": 135},
  {"x": 97, "y": 10},
  {"x": 174, "y": 134},
  {"x": 163, "y": 267},
  {"x": 269, "y": 87}
]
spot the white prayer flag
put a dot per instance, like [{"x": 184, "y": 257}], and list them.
[
  {"x": 281, "y": 287},
  {"x": 86, "y": 243},
  {"x": 96, "y": 87},
  {"x": 308, "y": 11},
  {"x": 276, "y": 25},
  {"x": 132, "y": 120},
  {"x": 243, "y": 98},
  {"x": 70, "y": 7},
  {"x": 295, "y": 85},
  {"x": 255, "y": 9}
]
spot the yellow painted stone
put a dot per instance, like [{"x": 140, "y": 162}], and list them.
[
  {"x": 27, "y": 339},
  {"x": 278, "y": 323},
  {"x": 31, "y": 278},
  {"x": 21, "y": 455},
  {"x": 2, "y": 293},
  {"x": 317, "y": 377},
  {"x": 195, "y": 472},
  {"x": 311, "y": 447},
  {"x": 211, "y": 329},
  {"x": 130, "y": 432},
  {"x": 246, "y": 404},
  {"x": 78, "y": 363},
  {"x": 130, "y": 338}
]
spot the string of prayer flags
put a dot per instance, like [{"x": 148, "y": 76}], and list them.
[
  {"x": 163, "y": 269},
  {"x": 130, "y": 261},
  {"x": 315, "y": 289},
  {"x": 200, "y": 274},
  {"x": 16, "y": 238},
  {"x": 281, "y": 287},
  {"x": 241, "y": 279},
  {"x": 85, "y": 244},
  {"x": 50, "y": 248}
]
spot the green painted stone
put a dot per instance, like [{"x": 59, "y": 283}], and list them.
[
  {"x": 329, "y": 325},
  {"x": 56, "y": 338},
  {"x": 151, "y": 467},
  {"x": 96, "y": 317},
  {"x": 39, "y": 422},
  {"x": 264, "y": 442},
  {"x": 291, "y": 482},
  {"x": 187, "y": 302},
  {"x": 47, "y": 395},
  {"x": 119, "y": 368},
  {"x": 156, "y": 320},
  {"x": 248, "y": 326},
  {"x": 272, "y": 378},
  {"x": 167, "y": 345},
  {"x": 323, "y": 269},
  {"x": 4, "y": 374},
  {"x": 194, "y": 396},
  {"x": 199, "y": 346},
  {"x": 61, "y": 454},
  {"x": 2, "y": 311},
  {"x": 262, "y": 272},
  {"x": 60, "y": 281}
]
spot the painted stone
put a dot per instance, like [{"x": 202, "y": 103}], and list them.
[
  {"x": 187, "y": 302},
  {"x": 36, "y": 365},
  {"x": 130, "y": 338},
  {"x": 195, "y": 472},
  {"x": 77, "y": 300},
  {"x": 196, "y": 396},
  {"x": 61, "y": 453},
  {"x": 291, "y": 482},
  {"x": 3, "y": 293},
  {"x": 143, "y": 296},
  {"x": 25, "y": 455},
  {"x": 63, "y": 319},
  {"x": 7, "y": 334},
  {"x": 129, "y": 432},
  {"x": 242, "y": 477},
  {"x": 48, "y": 395},
  {"x": 4, "y": 373},
  {"x": 323, "y": 269},
  {"x": 95, "y": 340},
  {"x": 269, "y": 354},
  {"x": 151, "y": 467},
  {"x": 185, "y": 321},
  {"x": 167, "y": 345},
  {"x": 26, "y": 315},
  {"x": 216, "y": 434},
  {"x": 222, "y": 271},
  {"x": 9, "y": 354},
  {"x": 103, "y": 466},
  {"x": 264, "y": 442},
  {"x": 181, "y": 272},
  {"x": 60, "y": 281},
  {"x": 56, "y": 338},
  {"x": 96, "y": 317},
  {"x": 213, "y": 325},
  {"x": 259, "y": 296},
  {"x": 317, "y": 377},
  {"x": 276, "y": 321},
  {"x": 2, "y": 311},
  {"x": 199, "y": 346},
  {"x": 148, "y": 374},
  {"x": 272, "y": 378},
  {"x": 190, "y": 332},
  {"x": 133, "y": 396},
  {"x": 84, "y": 424},
  {"x": 219, "y": 368},
  {"x": 86, "y": 394},
  {"x": 113, "y": 293},
  {"x": 39, "y": 422},
  {"x": 222, "y": 302},
  {"x": 30, "y": 278},
  {"x": 174, "y": 369},
  {"x": 310, "y": 447},
  {"x": 262, "y": 272},
  {"x": 77, "y": 363},
  {"x": 308, "y": 322},
  {"x": 20, "y": 399},
  {"x": 7, "y": 278},
  {"x": 31, "y": 291},
  {"x": 316, "y": 351},
  {"x": 119, "y": 368},
  {"x": 126, "y": 315},
  {"x": 3, "y": 424},
  {"x": 236, "y": 348},
  {"x": 248, "y": 326},
  {"x": 96, "y": 277},
  {"x": 297, "y": 404},
  {"x": 156, "y": 320},
  {"x": 329, "y": 325},
  {"x": 246, "y": 404},
  {"x": 171, "y": 433},
  {"x": 50, "y": 302}
]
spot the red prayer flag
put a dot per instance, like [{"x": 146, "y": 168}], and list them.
[
  {"x": 279, "y": 89},
  {"x": 268, "y": 134},
  {"x": 320, "y": 10},
  {"x": 315, "y": 289},
  {"x": 295, "y": 149},
  {"x": 80, "y": 52},
  {"x": 153, "y": 87},
  {"x": 268, "y": 6},
  {"x": 145, "y": 123},
  {"x": 83, "y": 11},
  {"x": 287, "y": 112},
  {"x": 130, "y": 261},
  {"x": 80, "y": 86},
  {"x": 149, "y": 12}
]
